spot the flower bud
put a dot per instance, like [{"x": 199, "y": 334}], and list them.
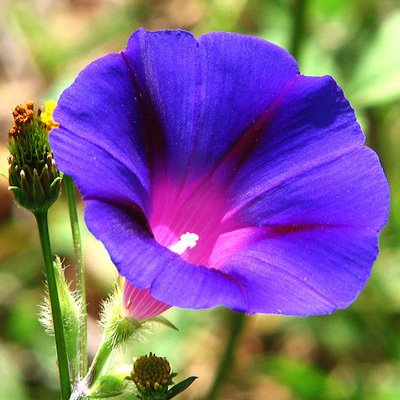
[
  {"x": 125, "y": 314},
  {"x": 117, "y": 328},
  {"x": 33, "y": 175},
  {"x": 152, "y": 375}
]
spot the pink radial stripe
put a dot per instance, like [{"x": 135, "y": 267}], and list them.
[
  {"x": 139, "y": 303},
  {"x": 178, "y": 219}
]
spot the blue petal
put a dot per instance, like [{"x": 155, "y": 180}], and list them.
[
  {"x": 100, "y": 141},
  {"x": 146, "y": 264},
  {"x": 200, "y": 97},
  {"x": 310, "y": 166},
  {"x": 303, "y": 271},
  {"x": 317, "y": 199}
]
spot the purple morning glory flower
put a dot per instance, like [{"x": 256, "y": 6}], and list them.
[{"x": 215, "y": 174}]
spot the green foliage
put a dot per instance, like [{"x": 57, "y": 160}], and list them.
[
  {"x": 304, "y": 380},
  {"x": 376, "y": 78}
]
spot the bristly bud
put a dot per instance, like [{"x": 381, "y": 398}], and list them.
[
  {"x": 118, "y": 328},
  {"x": 152, "y": 375},
  {"x": 118, "y": 323},
  {"x": 33, "y": 175}
]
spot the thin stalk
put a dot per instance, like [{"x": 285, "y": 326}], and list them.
[
  {"x": 100, "y": 360},
  {"x": 65, "y": 383},
  {"x": 80, "y": 274},
  {"x": 226, "y": 362},
  {"x": 298, "y": 33},
  {"x": 82, "y": 389}
]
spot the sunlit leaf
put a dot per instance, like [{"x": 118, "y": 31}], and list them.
[
  {"x": 304, "y": 380},
  {"x": 376, "y": 78}
]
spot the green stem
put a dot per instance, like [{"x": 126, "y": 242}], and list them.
[
  {"x": 225, "y": 365},
  {"x": 80, "y": 274},
  {"x": 298, "y": 32},
  {"x": 65, "y": 383}
]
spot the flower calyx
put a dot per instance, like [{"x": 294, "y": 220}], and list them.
[{"x": 33, "y": 175}]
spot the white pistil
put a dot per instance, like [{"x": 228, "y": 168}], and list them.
[{"x": 186, "y": 241}]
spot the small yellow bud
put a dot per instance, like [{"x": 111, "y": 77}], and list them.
[{"x": 151, "y": 373}]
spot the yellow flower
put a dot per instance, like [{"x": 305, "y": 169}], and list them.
[{"x": 47, "y": 115}]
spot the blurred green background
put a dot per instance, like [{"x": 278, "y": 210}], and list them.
[{"x": 352, "y": 354}]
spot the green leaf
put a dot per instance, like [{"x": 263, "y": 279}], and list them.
[{"x": 376, "y": 78}]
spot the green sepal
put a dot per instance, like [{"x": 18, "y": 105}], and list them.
[
  {"x": 134, "y": 322},
  {"x": 163, "y": 321},
  {"x": 180, "y": 387}
]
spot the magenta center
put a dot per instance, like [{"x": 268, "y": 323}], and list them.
[{"x": 188, "y": 220}]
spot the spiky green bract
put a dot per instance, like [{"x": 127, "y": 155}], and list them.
[
  {"x": 118, "y": 327},
  {"x": 70, "y": 312},
  {"x": 33, "y": 175},
  {"x": 165, "y": 394}
]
